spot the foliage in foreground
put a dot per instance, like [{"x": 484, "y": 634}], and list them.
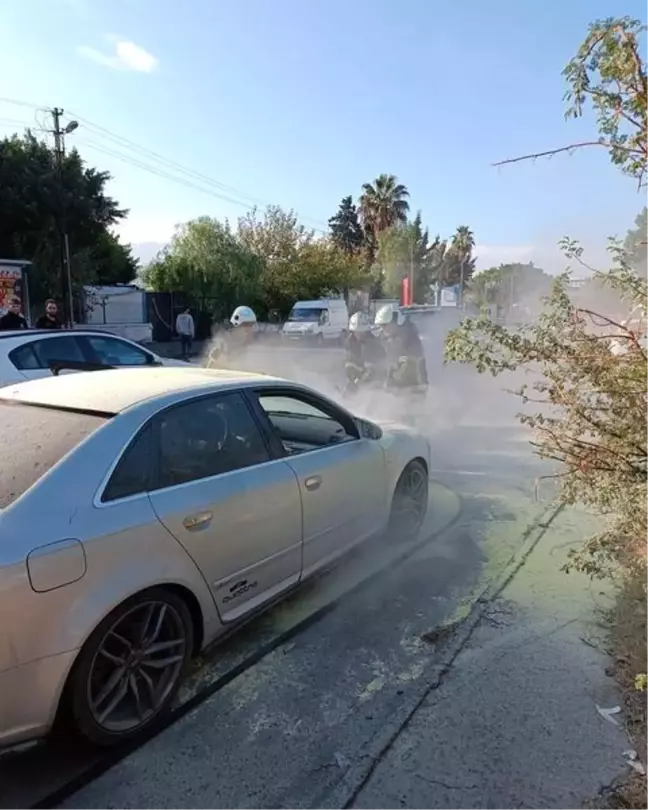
[{"x": 591, "y": 414}]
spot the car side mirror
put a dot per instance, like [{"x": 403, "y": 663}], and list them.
[{"x": 369, "y": 430}]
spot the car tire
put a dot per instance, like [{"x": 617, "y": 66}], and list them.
[
  {"x": 157, "y": 627},
  {"x": 410, "y": 502}
]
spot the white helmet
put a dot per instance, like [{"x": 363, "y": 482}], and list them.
[
  {"x": 243, "y": 315},
  {"x": 389, "y": 313},
  {"x": 358, "y": 323}
]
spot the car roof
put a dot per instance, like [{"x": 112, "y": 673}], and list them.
[
  {"x": 115, "y": 390},
  {"x": 28, "y": 333}
]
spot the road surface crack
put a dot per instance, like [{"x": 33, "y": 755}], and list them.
[{"x": 445, "y": 785}]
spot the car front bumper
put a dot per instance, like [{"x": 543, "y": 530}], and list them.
[{"x": 29, "y": 697}]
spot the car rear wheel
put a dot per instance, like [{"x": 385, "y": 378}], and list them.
[
  {"x": 410, "y": 502},
  {"x": 130, "y": 669}
]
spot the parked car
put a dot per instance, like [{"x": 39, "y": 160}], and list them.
[
  {"x": 145, "y": 512},
  {"x": 28, "y": 354},
  {"x": 323, "y": 320}
]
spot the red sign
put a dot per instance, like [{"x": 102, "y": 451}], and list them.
[
  {"x": 10, "y": 286},
  {"x": 406, "y": 293}
]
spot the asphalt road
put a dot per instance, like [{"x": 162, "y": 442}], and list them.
[{"x": 284, "y": 731}]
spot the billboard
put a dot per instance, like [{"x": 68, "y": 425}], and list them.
[
  {"x": 449, "y": 296},
  {"x": 10, "y": 284}
]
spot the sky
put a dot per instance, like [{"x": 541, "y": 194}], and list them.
[{"x": 299, "y": 103}]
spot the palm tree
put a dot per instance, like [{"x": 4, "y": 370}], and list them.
[
  {"x": 463, "y": 241},
  {"x": 462, "y": 245},
  {"x": 383, "y": 203}
]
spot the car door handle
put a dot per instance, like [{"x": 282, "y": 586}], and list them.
[
  {"x": 312, "y": 483},
  {"x": 192, "y": 522}
]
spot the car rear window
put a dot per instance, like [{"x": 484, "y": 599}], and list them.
[{"x": 33, "y": 439}]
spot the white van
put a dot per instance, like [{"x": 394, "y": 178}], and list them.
[{"x": 322, "y": 320}]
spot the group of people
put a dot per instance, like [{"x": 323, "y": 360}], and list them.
[
  {"x": 14, "y": 320},
  {"x": 387, "y": 352}
]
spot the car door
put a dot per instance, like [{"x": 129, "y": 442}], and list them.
[
  {"x": 235, "y": 508},
  {"x": 342, "y": 477},
  {"x": 33, "y": 357}
]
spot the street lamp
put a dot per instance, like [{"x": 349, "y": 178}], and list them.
[{"x": 66, "y": 275}]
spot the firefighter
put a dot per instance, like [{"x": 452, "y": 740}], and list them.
[
  {"x": 406, "y": 365},
  {"x": 230, "y": 345},
  {"x": 365, "y": 356}
]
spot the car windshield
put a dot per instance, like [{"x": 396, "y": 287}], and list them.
[
  {"x": 33, "y": 439},
  {"x": 305, "y": 314}
]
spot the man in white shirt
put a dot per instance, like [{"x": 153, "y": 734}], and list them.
[{"x": 186, "y": 329}]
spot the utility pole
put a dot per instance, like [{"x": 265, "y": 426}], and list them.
[
  {"x": 464, "y": 259},
  {"x": 64, "y": 242}
]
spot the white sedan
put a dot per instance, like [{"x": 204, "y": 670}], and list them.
[
  {"x": 145, "y": 512},
  {"x": 28, "y": 354}
]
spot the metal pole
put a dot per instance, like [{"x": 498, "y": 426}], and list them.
[
  {"x": 69, "y": 278},
  {"x": 66, "y": 277},
  {"x": 461, "y": 279}
]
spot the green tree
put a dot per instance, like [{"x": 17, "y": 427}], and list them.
[
  {"x": 383, "y": 203},
  {"x": 458, "y": 262},
  {"x": 296, "y": 265},
  {"x": 405, "y": 249},
  {"x": 345, "y": 228},
  {"x": 107, "y": 261},
  {"x": 33, "y": 197},
  {"x": 207, "y": 262}
]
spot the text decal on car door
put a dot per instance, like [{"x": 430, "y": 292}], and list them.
[{"x": 238, "y": 589}]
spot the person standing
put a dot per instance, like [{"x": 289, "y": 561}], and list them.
[
  {"x": 185, "y": 327},
  {"x": 13, "y": 318},
  {"x": 50, "y": 320}
]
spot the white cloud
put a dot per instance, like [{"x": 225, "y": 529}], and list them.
[{"x": 127, "y": 56}]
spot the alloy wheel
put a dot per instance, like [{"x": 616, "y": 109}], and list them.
[
  {"x": 136, "y": 666},
  {"x": 410, "y": 502}
]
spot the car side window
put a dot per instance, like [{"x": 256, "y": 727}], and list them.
[
  {"x": 38, "y": 354},
  {"x": 208, "y": 436},
  {"x": 302, "y": 425},
  {"x": 132, "y": 475},
  {"x": 114, "y": 352}
]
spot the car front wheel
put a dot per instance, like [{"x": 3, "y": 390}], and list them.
[
  {"x": 130, "y": 668},
  {"x": 410, "y": 502}
]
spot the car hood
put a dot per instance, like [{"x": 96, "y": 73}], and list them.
[{"x": 396, "y": 427}]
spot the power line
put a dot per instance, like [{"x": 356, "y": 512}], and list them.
[
  {"x": 186, "y": 181},
  {"x": 158, "y": 171},
  {"x": 22, "y": 103},
  {"x": 172, "y": 164},
  {"x": 167, "y": 169}
]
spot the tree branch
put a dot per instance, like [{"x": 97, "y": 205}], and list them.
[{"x": 571, "y": 148}]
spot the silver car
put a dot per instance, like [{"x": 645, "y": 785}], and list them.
[{"x": 145, "y": 512}]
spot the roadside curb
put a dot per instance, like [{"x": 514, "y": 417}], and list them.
[{"x": 356, "y": 777}]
